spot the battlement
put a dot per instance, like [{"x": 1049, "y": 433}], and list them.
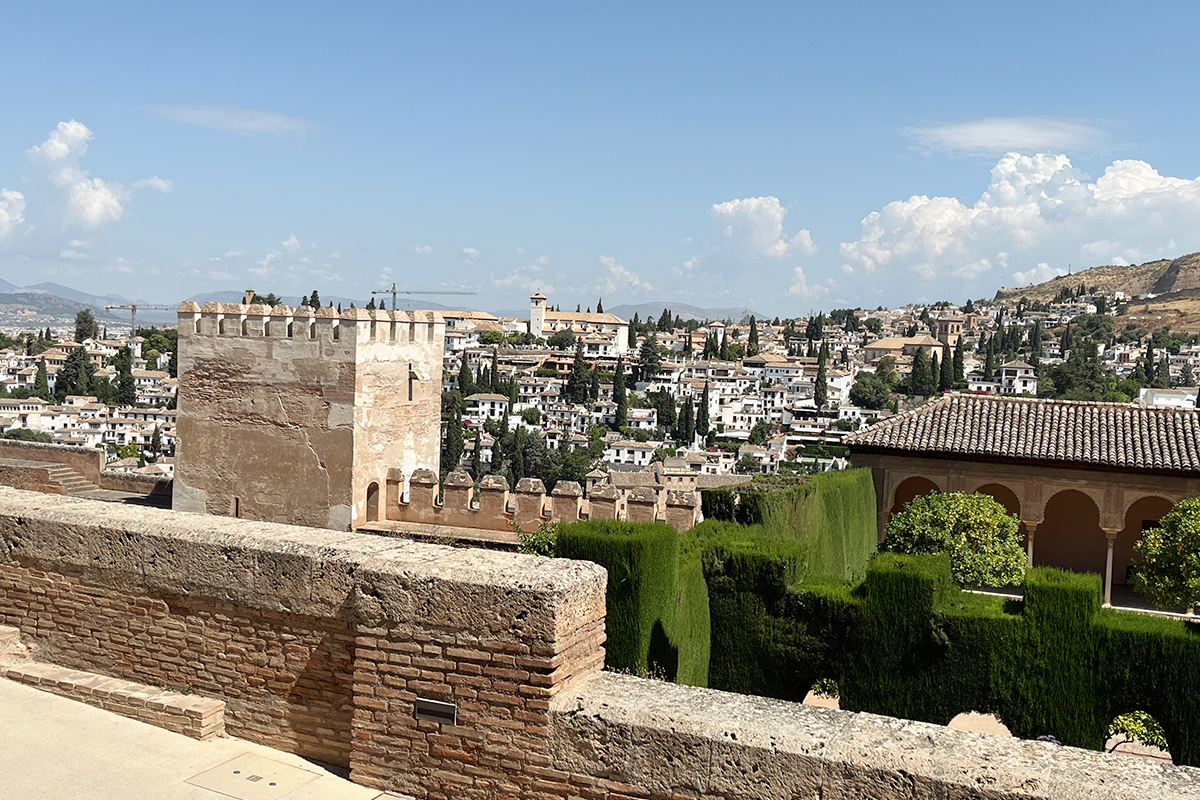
[
  {"x": 354, "y": 325},
  {"x": 494, "y": 508}
]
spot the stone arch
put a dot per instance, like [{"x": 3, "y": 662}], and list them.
[
  {"x": 373, "y": 502},
  {"x": 1003, "y": 495},
  {"x": 1140, "y": 515},
  {"x": 1070, "y": 536},
  {"x": 907, "y": 489}
]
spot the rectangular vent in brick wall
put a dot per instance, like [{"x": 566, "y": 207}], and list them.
[{"x": 436, "y": 711}]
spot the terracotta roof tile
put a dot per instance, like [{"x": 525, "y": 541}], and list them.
[{"x": 1115, "y": 435}]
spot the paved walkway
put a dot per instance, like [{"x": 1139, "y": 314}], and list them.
[{"x": 51, "y": 747}]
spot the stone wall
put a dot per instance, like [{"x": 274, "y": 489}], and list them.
[
  {"x": 87, "y": 461},
  {"x": 494, "y": 508},
  {"x": 322, "y": 643},
  {"x": 134, "y": 483},
  {"x": 287, "y": 415}
]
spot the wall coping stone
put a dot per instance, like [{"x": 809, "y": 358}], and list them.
[
  {"x": 670, "y": 739},
  {"x": 359, "y": 578}
]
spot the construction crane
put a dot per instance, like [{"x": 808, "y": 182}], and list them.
[
  {"x": 133, "y": 309},
  {"x": 393, "y": 291}
]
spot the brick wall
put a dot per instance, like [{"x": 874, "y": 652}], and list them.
[{"x": 321, "y": 643}]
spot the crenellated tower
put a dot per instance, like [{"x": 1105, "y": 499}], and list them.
[{"x": 295, "y": 415}]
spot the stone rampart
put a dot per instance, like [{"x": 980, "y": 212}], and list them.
[
  {"x": 331, "y": 645},
  {"x": 87, "y": 461},
  {"x": 135, "y": 483},
  {"x": 494, "y": 508}
]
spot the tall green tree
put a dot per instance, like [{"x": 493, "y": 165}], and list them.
[
  {"x": 454, "y": 443},
  {"x": 702, "y": 426},
  {"x": 577, "y": 382},
  {"x": 477, "y": 456},
  {"x": 86, "y": 326},
  {"x": 959, "y": 358},
  {"x": 600, "y": 306},
  {"x": 919, "y": 380},
  {"x": 821, "y": 385},
  {"x": 752, "y": 342},
  {"x": 466, "y": 380},
  {"x": 41, "y": 382},
  {"x": 494, "y": 376},
  {"x": 594, "y": 386},
  {"x": 723, "y": 353},
  {"x": 649, "y": 357},
  {"x": 946, "y": 376},
  {"x": 1167, "y": 567},
  {"x": 619, "y": 397},
  {"x": 685, "y": 423}
]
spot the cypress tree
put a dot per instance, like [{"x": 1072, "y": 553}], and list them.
[
  {"x": 454, "y": 443},
  {"x": 600, "y": 306},
  {"x": 466, "y": 383},
  {"x": 1186, "y": 376},
  {"x": 752, "y": 343},
  {"x": 935, "y": 372},
  {"x": 594, "y": 386},
  {"x": 919, "y": 380},
  {"x": 1162, "y": 379},
  {"x": 477, "y": 456},
  {"x": 821, "y": 386},
  {"x": 494, "y": 382},
  {"x": 724, "y": 354},
  {"x": 702, "y": 414},
  {"x": 41, "y": 383},
  {"x": 649, "y": 358},
  {"x": 946, "y": 381},
  {"x": 619, "y": 394},
  {"x": 577, "y": 383},
  {"x": 958, "y": 361},
  {"x": 989, "y": 365}
]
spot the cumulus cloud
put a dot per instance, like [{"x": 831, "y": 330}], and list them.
[
  {"x": 531, "y": 277},
  {"x": 12, "y": 211},
  {"x": 240, "y": 121},
  {"x": 617, "y": 280},
  {"x": 469, "y": 255},
  {"x": 755, "y": 225},
  {"x": 1033, "y": 204},
  {"x": 291, "y": 244},
  {"x": 804, "y": 290},
  {"x": 996, "y": 135},
  {"x": 1039, "y": 274},
  {"x": 90, "y": 201}
]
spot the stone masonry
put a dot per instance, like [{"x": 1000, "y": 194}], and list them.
[
  {"x": 326, "y": 643},
  {"x": 290, "y": 415}
]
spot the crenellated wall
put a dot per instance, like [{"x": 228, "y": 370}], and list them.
[{"x": 495, "y": 508}]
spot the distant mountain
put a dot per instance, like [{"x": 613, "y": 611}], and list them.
[
  {"x": 97, "y": 301},
  {"x": 294, "y": 300},
  {"x": 682, "y": 310},
  {"x": 35, "y": 307},
  {"x": 5, "y": 286}
]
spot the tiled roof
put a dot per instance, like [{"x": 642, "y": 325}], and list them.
[{"x": 1111, "y": 435}]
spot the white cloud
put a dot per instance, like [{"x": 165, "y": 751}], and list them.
[
  {"x": 617, "y": 279},
  {"x": 804, "y": 290},
  {"x": 291, "y": 244},
  {"x": 241, "y": 121},
  {"x": 422, "y": 249},
  {"x": 12, "y": 211},
  {"x": 335, "y": 255},
  {"x": 996, "y": 135},
  {"x": 755, "y": 225},
  {"x": 89, "y": 201},
  {"x": 155, "y": 182},
  {"x": 469, "y": 255},
  {"x": 531, "y": 278},
  {"x": 1040, "y": 203},
  {"x": 1039, "y": 274}
]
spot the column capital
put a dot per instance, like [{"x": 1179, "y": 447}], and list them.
[{"x": 1111, "y": 533}]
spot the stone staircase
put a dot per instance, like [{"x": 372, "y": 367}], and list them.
[{"x": 71, "y": 481}]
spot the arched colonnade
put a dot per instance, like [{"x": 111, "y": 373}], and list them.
[{"x": 1073, "y": 520}]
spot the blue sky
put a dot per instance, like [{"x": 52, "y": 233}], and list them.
[{"x": 778, "y": 156}]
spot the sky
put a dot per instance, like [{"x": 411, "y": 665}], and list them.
[{"x": 784, "y": 157}]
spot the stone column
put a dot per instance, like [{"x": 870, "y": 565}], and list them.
[
  {"x": 1111, "y": 535},
  {"x": 1030, "y": 530}
]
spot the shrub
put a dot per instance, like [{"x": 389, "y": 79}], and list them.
[
  {"x": 642, "y": 560},
  {"x": 1168, "y": 558},
  {"x": 982, "y": 539}
]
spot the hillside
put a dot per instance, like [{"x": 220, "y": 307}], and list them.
[
  {"x": 1154, "y": 277},
  {"x": 682, "y": 310}
]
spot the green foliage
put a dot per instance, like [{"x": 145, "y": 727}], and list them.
[
  {"x": 541, "y": 542},
  {"x": 643, "y": 573},
  {"x": 1167, "y": 570},
  {"x": 86, "y": 326},
  {"x": 531, "y": 416},
  {"x": 869, "y": 391},
  {"x": 26, "y": 435},
  {"x": 981, "y": 538},
  {"x": 562, "y": 340},
  {"x": 1136, "y": 727},
  {"x": 491, "y": 338}
]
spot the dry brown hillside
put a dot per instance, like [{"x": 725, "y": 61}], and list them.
[{"x": 1156, "y": 277}]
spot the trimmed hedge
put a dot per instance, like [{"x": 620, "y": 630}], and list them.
[
  {"x": 642, "y": 560},
  {"x": 907, "y": 642}
]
